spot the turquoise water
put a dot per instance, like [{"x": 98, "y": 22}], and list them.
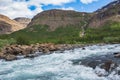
[{"x": 57, "y": 66}]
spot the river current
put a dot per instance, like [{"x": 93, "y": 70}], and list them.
[{"x": 57, "y": 66}]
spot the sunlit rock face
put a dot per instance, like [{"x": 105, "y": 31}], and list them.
[
  {"x": 8, "y": 25},
  {"x": 23, "y": 21},
  {"x": 110, "y": 12}
]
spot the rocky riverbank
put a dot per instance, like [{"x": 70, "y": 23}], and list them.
[{"x": 13, "y": 52}]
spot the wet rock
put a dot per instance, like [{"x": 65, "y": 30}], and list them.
[
  {"x": 117, "y": 55},
  {"x": 83, "y": 48},
  {"x": 10, "y": 57},
  {"x": 45, "y": 50},
  {"x": 109, "y": 65},
  {"x": 100, "y": 72},
  {"x": 2, "y": 55},
  {"x": 30, "y": 50},
  {"x": 107, "y": 62},
  {"x": 118, "y": 72}
]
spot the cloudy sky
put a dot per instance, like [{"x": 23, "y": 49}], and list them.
[{"x": 29, "y": 8}]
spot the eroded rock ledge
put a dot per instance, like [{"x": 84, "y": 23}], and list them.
[{"x": 13, "y": 52}]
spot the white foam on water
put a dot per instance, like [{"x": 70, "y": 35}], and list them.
[{"x": 57, "y": 66}]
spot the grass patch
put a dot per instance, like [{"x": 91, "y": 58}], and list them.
[{"x": 4, "y": 42}]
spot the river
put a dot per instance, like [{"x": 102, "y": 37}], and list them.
[{"x": 57, "y": 66}]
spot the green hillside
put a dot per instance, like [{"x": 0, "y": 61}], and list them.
[
  {"x": 109, "y": 33},
  {"x": 41, "y": 34}
]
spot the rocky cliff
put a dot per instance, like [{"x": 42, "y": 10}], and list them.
[
  {"x": 110, "y": 12},
  {"x": 8, "y": 25},
  {"x": 23, "y": 21}
]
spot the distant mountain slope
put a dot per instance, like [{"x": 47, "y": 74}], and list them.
[
  {"x": 110, "y": 12},
  {"x": 23, "y": 21},
  {"x": 8, "y": 25},
  {"x": 61, "y": 26},
  {"x": 60, "y": 18}
]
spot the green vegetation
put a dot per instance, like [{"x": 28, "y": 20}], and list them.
[
  {"x": 4, "y": 42},
  {"x": 42, "y": 34},
  {"x": 22, "y": 41},
  {"x": 109, "y": 33}
]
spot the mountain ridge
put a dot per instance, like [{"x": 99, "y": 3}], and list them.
[
  {"x": 110, "y": 12},
  {"x": 61, "y": 26},
  {"x": 59, "y": 18},
  {"x": 8, "y": 25}
]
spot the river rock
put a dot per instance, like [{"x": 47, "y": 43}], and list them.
[
  {"x": 2, "y": 55},
  {"x": 83, "y": 48},
  {"x": 117, "y": 55},
  {"x": 108, "y": 62},
  {"x": 10, "y": 57},
  {"x": 10, "y": 51},
  {"x": 45, "y": 50},
  {"x": 109, "y": 65}
]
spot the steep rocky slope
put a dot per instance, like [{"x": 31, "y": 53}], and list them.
[
  {"x": 60, "y": 18},
  {"x": 8, "y": 25},
  {"x": 23, "y": 21},
  {"x": 110, "y": 12}
]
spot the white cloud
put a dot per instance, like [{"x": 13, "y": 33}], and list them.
[
  {"x": 19, "y": 8},
  {"x": 68, "y": 8},
  {"x": 87, "y": 1},
  {"x": 53, "y": 2}
]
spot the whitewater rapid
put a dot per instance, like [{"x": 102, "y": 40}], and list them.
[{"x": 57, "y": 66}]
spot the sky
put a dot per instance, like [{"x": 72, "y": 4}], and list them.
[{"x": 29, "y": 8}]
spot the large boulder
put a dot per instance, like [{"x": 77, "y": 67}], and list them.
[
  {"x": 117, "y": 55},
  {"x": 108, "y": 65},
  {"x": 10, "y": 57}
]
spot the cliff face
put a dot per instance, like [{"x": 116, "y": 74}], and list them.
[
  {"x": 8, "y": 25},
  {"x": 59, "y": 18},
  {"x": 5, "y": 27},
  {"x": 110, "y": 12},
  {"x": 23, "y": 21}
]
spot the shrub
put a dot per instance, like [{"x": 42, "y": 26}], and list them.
[
  {"x": 111, "y": 39},
  {"x": 4, "y": 42},
  {"x": 22, "y": 41}
]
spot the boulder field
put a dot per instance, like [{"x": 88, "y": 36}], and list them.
[{"x": 13, "y": 52}]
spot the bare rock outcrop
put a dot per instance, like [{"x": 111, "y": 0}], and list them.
[
  {"x": 110, "y": 12},
  {"x": 8, "y": 25},
  {"x": 23, "y": 21}
]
